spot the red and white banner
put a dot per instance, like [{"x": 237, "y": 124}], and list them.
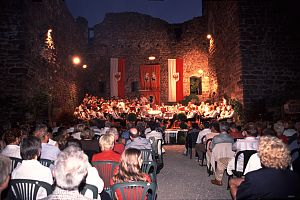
[
  {"x": 175, "y": 80},
  {"x": 117, "y": 77}
]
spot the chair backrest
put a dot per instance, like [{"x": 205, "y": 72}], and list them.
[
  {"x": 46, "y": 162},
  {"x": 246, "y": 154},
  {"x": 15, "y": 162},
  {"x": 86, "y": 187},
  {"x": 106, "y": 171},
  {"x": 221, "y": 150},
  {"x": 294, "y": 153},
  {"x": 150, "y": 167},
  {"x": 156, "y": 146},
  {"x": 208, "y": 143},
  {"x": 146, "y": 154},
  {"x": 137, "y": 190},
  {"x": 23, "y": 189}
]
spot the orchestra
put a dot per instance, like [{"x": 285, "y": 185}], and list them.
[{"x": 117, "y": 109}]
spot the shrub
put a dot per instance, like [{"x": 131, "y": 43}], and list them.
[
  {"x": 131, "y": 117},
  {"x": 182, "y": 117}
]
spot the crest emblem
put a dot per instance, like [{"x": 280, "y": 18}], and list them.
[
  {"x": 176, "y": 76},
  {"x": 118, "y": 76}
]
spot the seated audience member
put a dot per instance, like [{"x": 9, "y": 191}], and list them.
[
  {"x": 31, "y": 168},
  {"x": 106, "y": 143},
  {"x": 130, "y": 169},
  {"x": 192, "y": 135},
  {"x": 48, "y": 151},
  {"x": 92, "y": 177},
  {"x": 200, "y": 147},
  {"x": 249, "y": 143},
  {"x": 136, "y": 141},
  {"x": 223, "y": 137},
  {"x": 119, "y": 147},
  {"x": 69, "y": 170},
  {"x": 274, "y": 180},
  {"x": 77, "y": 131},
  {"x": 90, "y": 145},
  {"x": 12, "y": 139},
  {"x": 125, "y": 136},
  {"x": 233, "y": 131},
  {"x": 153, "y": 133},
  {"x": 279, "y": 128},
  {"x": 5, "y": 169}
]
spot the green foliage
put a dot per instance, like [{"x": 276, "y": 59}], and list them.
[
  {"x": 191, "y": 98},
  {"x": 131, "y": 117},
  {"x": 238, "y": 109},
  {"x": 182, "y": 117},
  {"x": 183, "y": 125}
]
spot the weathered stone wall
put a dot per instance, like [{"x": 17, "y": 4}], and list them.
[
  {"x": 224, "y": 52},
  {"x": 134, "y": 37},
  {"x": 270, "y": 53},
  {"x": 38, "y": 82},
  {"x": 255, "y": 52}
]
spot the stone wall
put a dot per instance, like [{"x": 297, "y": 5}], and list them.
[
  {"x": 224, "y": 52},
  {"x": 270, "y": 50},
  {"x": 38, "y": 82},
  {"x": 255, "y": 52},
  {"x": 134, "y": 37}
]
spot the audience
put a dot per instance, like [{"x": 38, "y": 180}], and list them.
[
  {"x": 31, "y": 168},
  {"x": 90, "y": 145},
  {"x": 69, "y": 170},
  {"x": 5, "y": 169},
  {"x": 49, "y": 151},
  {"x": 12, "y": 139},
  {"x": 274, "y": 180},
  {"x": 136, "y": 141},
  {"x": 106, "y": 143},
  {"x": 92, "y": 177},
  {"x": 119, "y": 147},
  {"x": 130, "y": 169}
]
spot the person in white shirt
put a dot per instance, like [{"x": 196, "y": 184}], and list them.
[
  {"x": 153, "y": 133},
  {"x": 31, "y": 168},
  {"x": 12, "y": 139},
  {"x": 48, "y": 151}
]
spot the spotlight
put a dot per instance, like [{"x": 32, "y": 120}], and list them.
[
  {"x": 76, "y": 60},
  {"x": 208, "y": 36},
  {"x": 151, "y": 57},
  {"x": 84, "y": 66}
]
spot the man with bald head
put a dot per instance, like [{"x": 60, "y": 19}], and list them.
[{"x": 136, "y": 141}]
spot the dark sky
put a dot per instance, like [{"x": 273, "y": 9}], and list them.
[{"x": 172, "y": 11}]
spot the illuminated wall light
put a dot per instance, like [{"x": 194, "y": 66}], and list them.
[
  {"x": 49, "y": 40},
  {"x": 84, "y": 66},
  {"x": 200, "y": 71},
  {"x": 151, "y": 57},
  {"x": 208, "y": 36},
  {"x": 76, "y": 60}
]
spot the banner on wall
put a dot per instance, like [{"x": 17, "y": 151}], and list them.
[
  {"x": 117, "y": 77},
  {"x": 175, "y": 80}
]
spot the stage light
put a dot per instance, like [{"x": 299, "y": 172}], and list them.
[
  {"x": 151, "y": 57},
  {"x": 208, "y": 36},
  {"x": 76, "y": 60},
  {"x": 84, "y": 66}
]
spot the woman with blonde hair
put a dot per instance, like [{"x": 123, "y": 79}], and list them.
[
  {"x": 274, "y": 180},
  {"x": 106, "y": 143}
]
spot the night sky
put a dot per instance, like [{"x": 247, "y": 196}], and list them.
[{"x": 172, "y": 11}]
